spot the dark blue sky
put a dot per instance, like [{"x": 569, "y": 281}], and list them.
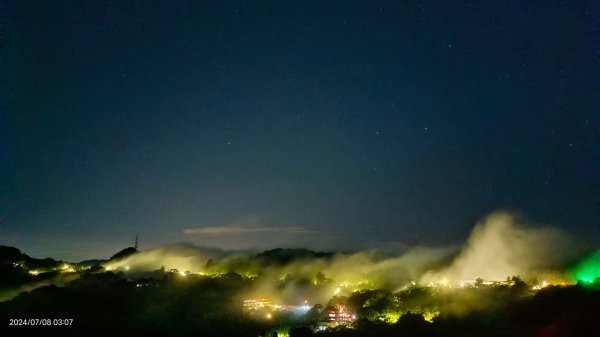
[{"x": 337, "y": 124}]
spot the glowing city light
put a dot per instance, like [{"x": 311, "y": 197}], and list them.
[{"x": 67, "y": 269}]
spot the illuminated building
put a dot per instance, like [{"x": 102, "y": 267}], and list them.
[
  {"x": 263, "y": 303},
  {"x": 297, "y": 309},
  {"x": 339, "y": 314}
]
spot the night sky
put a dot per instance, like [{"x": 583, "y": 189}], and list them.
[{"x": 325, "y": 124}]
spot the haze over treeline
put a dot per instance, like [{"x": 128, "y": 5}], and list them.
[{"x": 505, "y": 271}]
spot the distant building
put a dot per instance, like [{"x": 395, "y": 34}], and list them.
[
  {"x": 250, "y": 306},
  {"x": 296, "y": 309},
  {"x": 339, "y": 314}
]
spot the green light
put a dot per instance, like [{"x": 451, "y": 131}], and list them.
[{"x": 588, "y": 268}]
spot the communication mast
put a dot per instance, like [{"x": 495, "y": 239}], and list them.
[{"x": 136, "y": 242}]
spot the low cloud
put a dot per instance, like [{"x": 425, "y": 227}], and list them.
[
  {"x": 500, "y": 246},
  {"x": 249, "y": 232},
  {"x": 232, "y": 230},
  {"x": 503, "y": 245}
]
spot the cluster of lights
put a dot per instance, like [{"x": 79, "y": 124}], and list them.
[
  {"x": 340, "y": 314},
  {"x": 430, "y": 315},
  {"x": 67, "y": 269},
  {"x": 347, "y": 287},
  {"x": 391, "y": 317},
  {"x": 445, "y": 283},
  {"x": 176, "y": 271},
  {"x": 264, "y": 306},
  {"x": 544, "y": 284}
]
